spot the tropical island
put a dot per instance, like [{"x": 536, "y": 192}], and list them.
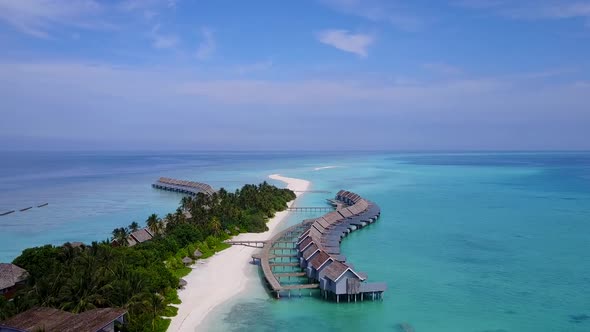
[{"x": 142, "y": 275}]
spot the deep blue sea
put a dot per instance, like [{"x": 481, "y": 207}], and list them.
[{"x": 467, "y": 241}]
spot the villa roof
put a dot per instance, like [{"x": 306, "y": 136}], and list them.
[
  {"x": 187, "y": 260},
  {"x": 303, "y": 235},
  {"x": 320, "y": 259},
  {"x": 354, "y": 210},
  {"x": 345, "y": 213},
  {"x": 337, "y": 269},
  {"x": 318, "y": 227},
  {"x": 323, "y": 222},
  {"x": 91, "y": 320},
  {"x": 11, "y": 274},
  {"x": 54, "y": 320},
  {"x": 305, "y": 243},
  {"x": 310, "y": 251},
  {"x": 141, "y": 235}
]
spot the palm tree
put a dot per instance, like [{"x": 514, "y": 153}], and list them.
[
  {"x": 120, "y": 235},
  {"x": 154, "y": 224},
  {"x": 156, "y": 304},
  {"x": 186, "y": 202},
  {"x": 215, "y": 226},
  {"x": 134, "y": 226}
]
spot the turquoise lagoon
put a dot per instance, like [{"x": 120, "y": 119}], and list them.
[{"x": 466, "y": 241}]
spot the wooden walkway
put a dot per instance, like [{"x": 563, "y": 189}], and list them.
[
  {"x": 289, "y": 274},
  {"x": 283, "y": 264},
  {"x": 310, "y": 208},
  {"x": 271, "y": 276},
  {"x": 253, "y": 244}
]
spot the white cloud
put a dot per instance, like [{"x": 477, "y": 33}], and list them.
[
  {"x": 146, "y": 102},
  {"x": 532, "y": 9},
  {"x": 393, "y": 12},
  {"x": 39, "y": 17},
  {"x": 132, "y": 5},
  {"x": 163, "y": 41},
  {"x": 207, "y": 45},
  {"x": 348, "y": 42}
]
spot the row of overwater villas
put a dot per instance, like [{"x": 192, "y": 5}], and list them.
[
  {"x": 319, "y": 250},
  {"x": 182, "y": 186}
]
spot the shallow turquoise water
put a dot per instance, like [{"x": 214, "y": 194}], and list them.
[{"x": 466, "y": 242}]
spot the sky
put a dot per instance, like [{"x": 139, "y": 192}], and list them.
[{"x": 295, "y": 75}]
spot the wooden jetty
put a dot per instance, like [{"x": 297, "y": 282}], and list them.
[
  {"x": 253, "y": 244},
  {"x": 182, "y": 186},
  {"x": 310, "y": 208}
]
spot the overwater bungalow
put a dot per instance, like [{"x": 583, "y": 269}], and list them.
[
  {"x": 184, "y": 187},
  {"x": 318, "y": 252},
  {"x": 317, "y": 264},
  {"x": 308, "y": 254}
]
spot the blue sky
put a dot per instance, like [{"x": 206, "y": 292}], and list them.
[{"x": 400, "y": 75}]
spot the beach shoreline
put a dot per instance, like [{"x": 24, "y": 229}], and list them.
[{"x": 215, "y": 280}]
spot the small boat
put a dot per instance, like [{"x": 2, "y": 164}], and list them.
[
  {"x": 7, "y": 212},
  {"x": 42, "y": 205},
  {"x": 25, "y": 209}
]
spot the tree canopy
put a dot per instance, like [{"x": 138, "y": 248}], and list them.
[{"x": 143, "y": 278}]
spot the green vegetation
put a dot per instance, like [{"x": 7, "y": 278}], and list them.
[{"x": 143, "y": 278}]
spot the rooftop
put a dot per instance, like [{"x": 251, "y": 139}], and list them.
[
  {"x": 54, "y": 320},
  {"x": 11, "y": 274}
]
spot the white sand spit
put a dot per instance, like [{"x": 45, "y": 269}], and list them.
[{"x": 219, "y": 278}]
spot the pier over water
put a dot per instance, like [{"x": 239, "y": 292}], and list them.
[
  {"x": 307, "y": 255},
  {"x": 185, "y": 187}
]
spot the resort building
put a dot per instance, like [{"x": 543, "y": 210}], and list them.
[
  {"x": 12, "y": 278},
  {"x": 139, "y": 236},
  {"x": 184, "y": 187},
  {"x": 55, "y": 320}
]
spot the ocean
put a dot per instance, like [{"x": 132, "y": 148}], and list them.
[{"x": 466, "y": 241}]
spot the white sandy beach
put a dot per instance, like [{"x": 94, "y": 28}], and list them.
[{"x": 219, "y": 278}]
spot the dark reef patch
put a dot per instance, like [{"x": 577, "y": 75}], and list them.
[
  {"x": 577, "y": 319},
  {"x": 404, "y": 327}
]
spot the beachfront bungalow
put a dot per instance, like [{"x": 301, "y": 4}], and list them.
[
  {"x": 187, "y": 261},
  {"x": 182, "y": 283},
  {"x": 12, "y": 278},
  {"x": 197, "y": 254},
  {"x": 55, "y": 320},
  {"x": 139, "y": 236}
]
